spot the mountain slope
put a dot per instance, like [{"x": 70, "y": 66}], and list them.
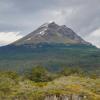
[
  {"x": 51, "y": 33},
  {"x": 52, "y": 46}
]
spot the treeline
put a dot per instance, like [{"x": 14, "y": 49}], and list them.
[{"x": 41, "y": 74}]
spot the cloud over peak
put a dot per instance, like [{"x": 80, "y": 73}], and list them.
[
  {"x": 9, "y": 37},
  {"x": 94, "y": 38}
]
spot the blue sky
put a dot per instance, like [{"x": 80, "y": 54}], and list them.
[{"x": 20, "y": 17}]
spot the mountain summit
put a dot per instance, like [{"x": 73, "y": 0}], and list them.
[{"x": 51, "y": 33}]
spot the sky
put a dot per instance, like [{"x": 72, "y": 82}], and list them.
[{"x": 20, "y": 17}]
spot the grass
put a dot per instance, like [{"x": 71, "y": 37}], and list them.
[{"x": 21, "y": 88}]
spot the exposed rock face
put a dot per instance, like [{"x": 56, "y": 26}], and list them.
[
  {"x": 65, "y": 97},
  {"x": 52, "y": 33}
]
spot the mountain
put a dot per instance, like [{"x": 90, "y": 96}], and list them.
[
  {"x": 51, "y": 46},
  {"x": 51, "y": 33}
]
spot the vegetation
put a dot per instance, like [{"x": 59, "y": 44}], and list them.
[
  {"x": 39, "y": 74},
  {"x": 52, "y": 56},
  {"x": 66, "y": 71},
  {"x": 38, "y": 82}
]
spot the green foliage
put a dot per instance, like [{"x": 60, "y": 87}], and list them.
[
  {"x": 94, "y": 75},
  {"x": 26, "y": 89},
  {"x": 9, "y": 74},
  {"x": 39, "y": 74},
  {"x": 66, "y": 71},
  {"x": 50, "y": 55}
]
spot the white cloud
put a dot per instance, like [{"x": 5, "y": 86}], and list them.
[
  {"x": 94, "y": 37},
  {"x": 9, "y": 37}
]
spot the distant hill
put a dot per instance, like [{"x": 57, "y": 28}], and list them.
[{"x": 52, "y": 46}]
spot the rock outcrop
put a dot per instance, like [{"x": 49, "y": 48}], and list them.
[{"x": 65, "y": 97}]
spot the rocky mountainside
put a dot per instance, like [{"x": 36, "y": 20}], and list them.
[
  {"x": 52, "y": 33},
  {"x": 52, "y": 46}
]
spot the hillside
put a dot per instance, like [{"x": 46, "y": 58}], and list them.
[
  {"x": 51, "y": 56},
  {"x": 52, "y": 46}
]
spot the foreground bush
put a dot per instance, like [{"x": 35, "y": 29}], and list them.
[
  {"x": 38, "y": 83},
  {"x": 39, "y": 74}
]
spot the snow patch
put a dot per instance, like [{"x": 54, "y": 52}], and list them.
[
  {"x": 42, "y": 32},
  {"x": 46, "y": 24},
  {"x": 51, "y": 22},
  {"x": 29, "y": 39}
]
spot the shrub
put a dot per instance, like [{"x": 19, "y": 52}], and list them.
[
  {"x": 39, "y": 74},
  {"x": 9, "y": 74},
  {"x": 69, "y": 71}
]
